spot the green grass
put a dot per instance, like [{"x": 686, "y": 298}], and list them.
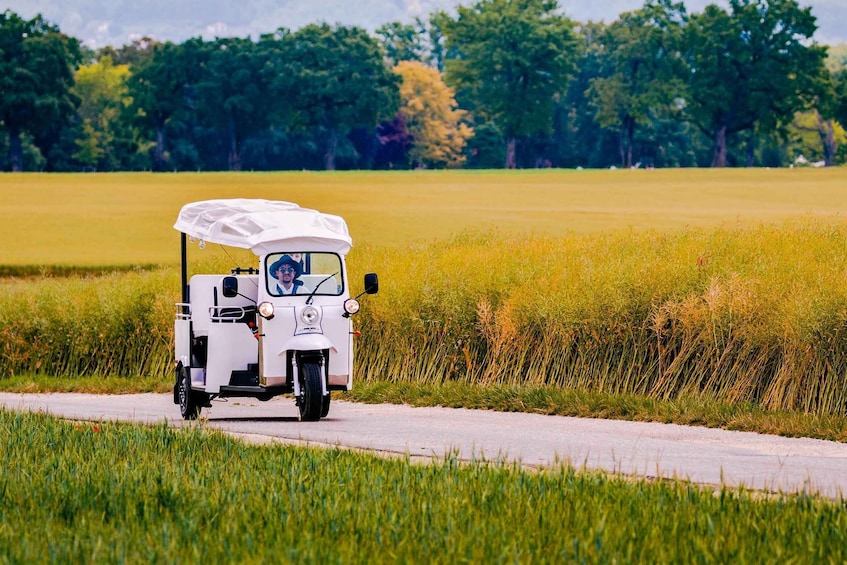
[
  {"x": 91, "y": 220},
  {"x": 87, "y": 384},
  {"x": 74, "y": 492}
]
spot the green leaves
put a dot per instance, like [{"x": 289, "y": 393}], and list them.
[
  {"x": 508, "y": 60},
  {"x": 333, "y": 80},
  {"x": 750, "y": 66},
  {"x": 36, "y": 75}
]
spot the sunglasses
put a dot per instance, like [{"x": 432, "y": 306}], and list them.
[{"x": 287, "y": 270}]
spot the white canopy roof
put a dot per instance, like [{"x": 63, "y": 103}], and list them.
[{"x": 263, "y": 226}]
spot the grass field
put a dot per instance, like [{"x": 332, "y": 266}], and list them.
[
  {"x": 714, "y": 298},
  {"x": 126, "y": 219},
  {"x": 81, "y": 492}
]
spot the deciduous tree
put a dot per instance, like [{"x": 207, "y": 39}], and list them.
[
  {"x": 641, "y": 53},
  {"x": 332, "y": 80},
  {"x": 103, "y": 93},
  {"x": 403, "y": 42},
  {"x": 429, "y": 111},
  {"x": 233, "y": 92},
  {"x": 510, "y": 60},
  {"x": 36, "y": 76},
  {"x": 160, "y": 86},
  {"x": 753, "y": 66}
]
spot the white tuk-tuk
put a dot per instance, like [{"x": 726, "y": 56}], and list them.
[{"x": 284, "y": 327}]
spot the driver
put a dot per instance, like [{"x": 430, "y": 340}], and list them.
[{"x": 287, "y": 273}]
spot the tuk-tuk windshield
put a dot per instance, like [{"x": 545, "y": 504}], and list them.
[{"x": 304, "y": 273}]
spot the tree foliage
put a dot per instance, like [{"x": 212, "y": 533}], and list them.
[
  {"x": 333, "y": 79},
  {"x": 36, "y": 76},
  {"x": 404, "y": 42},
  {"x": 509, "y": 60},
  {"x": 429, "y": 111},
  {"x": 813, "y": 138},
  {"x": 161, "y": 85},
  {"x": 641, "y": 51},
  {"x": 232, "y": 93},
  {"x": 750, "y": 66},
  {"x": 742, "y": 85},
  {"x": 104, "y": 96}
]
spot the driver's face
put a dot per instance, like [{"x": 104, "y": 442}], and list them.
[{"x": 286, "y": 274}]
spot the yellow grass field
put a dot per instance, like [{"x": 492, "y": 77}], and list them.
[{"x": 127, "y": 218}]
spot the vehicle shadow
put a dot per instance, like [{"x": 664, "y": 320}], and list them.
[{"x": 254, "y": 419}]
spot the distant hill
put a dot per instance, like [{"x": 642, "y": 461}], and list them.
[{"x": 117, "y": 22}]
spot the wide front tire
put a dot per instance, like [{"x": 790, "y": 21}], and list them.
[
  {"x": 188, "y": 401},
  {"x": 311, "y": 392}
]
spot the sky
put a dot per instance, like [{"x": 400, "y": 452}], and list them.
[{"x": 116, "y": 22}]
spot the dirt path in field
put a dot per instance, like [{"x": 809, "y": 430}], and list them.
[{"x": 701, "y": 455}]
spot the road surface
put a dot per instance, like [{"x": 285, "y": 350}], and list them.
[{"x": 701, "y": 455}]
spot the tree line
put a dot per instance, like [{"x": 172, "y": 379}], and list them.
[{"x": 500, "y": 83}]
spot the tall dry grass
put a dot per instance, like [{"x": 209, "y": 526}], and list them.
[
  {"x": 120, "y": 323},
  {"x": 738, "y": 314}
]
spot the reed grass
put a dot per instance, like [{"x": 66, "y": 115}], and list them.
[
  {"x": 77, "y": 492},
  {"x": 739, "y": 314},
  {"x": 117, "y": 324}
]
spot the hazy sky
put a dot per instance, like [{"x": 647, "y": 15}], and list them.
[{"x": 103, "y": 22}]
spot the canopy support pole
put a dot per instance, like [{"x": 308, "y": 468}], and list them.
[{"x": 184, "y": 268}]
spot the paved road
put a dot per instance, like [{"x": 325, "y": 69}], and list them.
[{"x": 701, "y": 455}]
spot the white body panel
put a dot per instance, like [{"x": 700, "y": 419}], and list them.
[
  {"x": 232, "y": 347},
  {"x": 335, "y": 337},
  {"x": 286, "y": 332},
  {"x": 182, "y": 340}
]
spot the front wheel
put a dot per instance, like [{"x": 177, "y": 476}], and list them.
[
  {"x": 311, "y": 392},
  {"x": 188, "y": 405}
]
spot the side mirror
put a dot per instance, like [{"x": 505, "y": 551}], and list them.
[
  {"x": 371, "y": 283},
  {"x": 230, "y": 287}
]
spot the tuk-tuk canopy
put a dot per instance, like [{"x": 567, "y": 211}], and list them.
[{"x": 263, "y": 226}]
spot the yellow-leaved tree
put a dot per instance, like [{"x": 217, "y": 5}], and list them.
[{"x": 435, "y": 123}]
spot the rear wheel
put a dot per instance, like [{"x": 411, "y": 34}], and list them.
[
  {"x": 189, "y": 406},
  {"x": 311, "y": 392}
]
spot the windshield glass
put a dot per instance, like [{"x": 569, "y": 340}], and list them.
[{"x": 304, "y": 273}]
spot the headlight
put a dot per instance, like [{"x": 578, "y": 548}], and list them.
[
  {"x": 351, "y": 305},
  {"x": 310, "y": 315},
  {"x": 266, "y": 310}
]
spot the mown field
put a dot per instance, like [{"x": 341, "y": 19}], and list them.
[
  {"x": 126, "y": 219},
  {"x": 712, "y": 298}
]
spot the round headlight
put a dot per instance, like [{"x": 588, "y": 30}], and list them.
[
  {"x": 351, "y": 305},
  {"x": 310, "y": 315},
  {"x": 266, "y": 310}
]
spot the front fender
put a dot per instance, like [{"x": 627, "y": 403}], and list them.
[{"x": 308, "y": 342}]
